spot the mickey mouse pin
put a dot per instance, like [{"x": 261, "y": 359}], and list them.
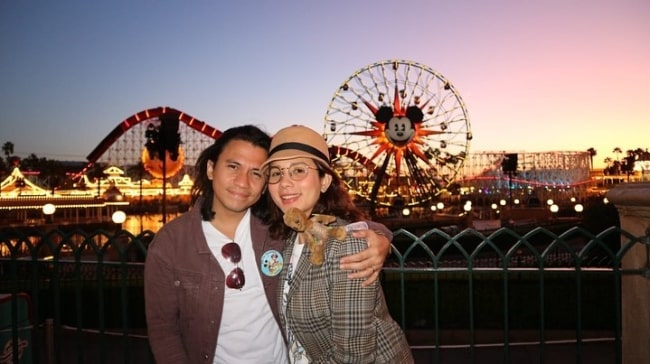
[{"x": 272, "y": 263}]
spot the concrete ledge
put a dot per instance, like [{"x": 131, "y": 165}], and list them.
[{"x": 632, "y": 200}]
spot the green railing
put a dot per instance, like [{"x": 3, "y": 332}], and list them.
[{"x": 536, "y": 297}]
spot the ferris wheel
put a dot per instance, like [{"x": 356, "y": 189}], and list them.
[{"x": 399, "y": 133}]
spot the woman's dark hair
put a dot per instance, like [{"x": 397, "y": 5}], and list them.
[
  {"x": 334, "y": 201},
  {"x": 202, "y": 185}
]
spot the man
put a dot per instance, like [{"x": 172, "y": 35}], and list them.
[{"x": 211, "y": 275}]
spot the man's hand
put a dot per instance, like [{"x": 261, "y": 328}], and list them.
[{"x": 368, "y": 263}]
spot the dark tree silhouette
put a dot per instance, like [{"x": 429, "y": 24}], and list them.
[
  {"x": 592, "y": 154},
  {"x": 8, "y": 149},
  {"x": 618, "y": 152}
]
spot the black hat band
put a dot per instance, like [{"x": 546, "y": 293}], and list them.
[{"x": 301, "y": 147}]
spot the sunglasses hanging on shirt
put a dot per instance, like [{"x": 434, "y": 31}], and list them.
[{"x": 232, "y": 253}]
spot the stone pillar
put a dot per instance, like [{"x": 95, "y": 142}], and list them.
[{"x": 632, "y": 200}]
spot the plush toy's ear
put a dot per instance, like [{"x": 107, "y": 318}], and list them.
[{"x": 384, "y": 114}]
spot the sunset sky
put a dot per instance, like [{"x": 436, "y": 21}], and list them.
[{"x": 535, "y": 75}]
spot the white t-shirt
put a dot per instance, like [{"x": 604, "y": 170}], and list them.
[{"x": 248, "y": 332}]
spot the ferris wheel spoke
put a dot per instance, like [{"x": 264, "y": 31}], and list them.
[
  {"x": 378, "y": 180},
  {"x": 421, "y": 181}
]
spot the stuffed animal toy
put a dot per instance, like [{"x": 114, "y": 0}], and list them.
[{"x": 313, "y": 231}]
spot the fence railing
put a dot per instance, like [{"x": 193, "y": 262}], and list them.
[{"x": 502, "y": 297}]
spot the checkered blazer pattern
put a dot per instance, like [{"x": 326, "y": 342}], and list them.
[{"x": 334, "y": 318}]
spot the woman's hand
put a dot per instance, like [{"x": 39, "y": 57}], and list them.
[{"x": 368, "y": 263}]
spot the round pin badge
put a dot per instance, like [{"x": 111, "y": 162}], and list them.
[{"x": 272, "y": 263}]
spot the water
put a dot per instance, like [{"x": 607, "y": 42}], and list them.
[{"x": 136, "y": 224}]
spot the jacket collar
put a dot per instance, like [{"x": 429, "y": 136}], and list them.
[{"x": 259, "y": 231}]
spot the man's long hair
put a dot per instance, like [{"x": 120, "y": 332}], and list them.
[{"x": 202, "y": 187}]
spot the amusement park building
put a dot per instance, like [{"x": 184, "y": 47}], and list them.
[
  {"x": 549, "y": 169},
  {"x": 526, "y": 175}
]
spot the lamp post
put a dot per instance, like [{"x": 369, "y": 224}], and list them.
[
  {"x": 467, "y": 203},
  {"x": 578, "y": 208},
  {"x": 118, "y": 218},
  {"x": 554, "y": 209},
  {"x": 48, "y": 211},
  {"x": 468, "y": 214}
]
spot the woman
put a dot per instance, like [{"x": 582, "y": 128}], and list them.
[{"x": 327, "y": 317}]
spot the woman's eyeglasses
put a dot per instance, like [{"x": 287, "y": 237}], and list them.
[
  {"x": 232, "y": 253},
  {"x": 297, "y": 172}
]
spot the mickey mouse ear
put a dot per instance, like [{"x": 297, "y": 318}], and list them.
[
  {"x": 384, "y": 114},
  {"x": 414, "y": 114}
]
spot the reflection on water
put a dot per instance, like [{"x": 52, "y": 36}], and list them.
[
  {"x": 153, "y": 222},
  {"x": 65, "y": 243}
]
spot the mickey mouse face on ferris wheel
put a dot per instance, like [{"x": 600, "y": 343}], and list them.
[{"x": 400, "y": 129}]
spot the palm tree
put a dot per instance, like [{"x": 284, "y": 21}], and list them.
[
  {"x": 628, "y": 166},
  {"x": 592, "y": 154},
  {"x": 618, "y": 152},
  {"x": 8, "y": 149},
  {"x": 642, "y": 155},
  {"x": 615, "y": 168},
  {"x": 608, "y": 165}
]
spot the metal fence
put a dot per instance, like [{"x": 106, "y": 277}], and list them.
[{"x": 533, "y": 297}]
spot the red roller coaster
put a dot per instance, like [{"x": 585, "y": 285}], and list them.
[{"x": 124, "y": 144}]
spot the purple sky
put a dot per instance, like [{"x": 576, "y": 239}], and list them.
[{"x": 535, "y": 76}]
